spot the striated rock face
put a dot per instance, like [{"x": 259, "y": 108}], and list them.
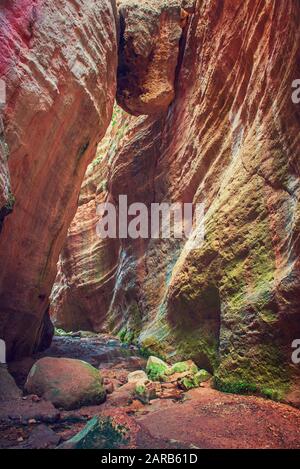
[
  {"x": 148, "y": 56},
  {"x": 230, "y": 139},
  {"x": 88, "y": 264},
  {"x": 59, "y": 63}
]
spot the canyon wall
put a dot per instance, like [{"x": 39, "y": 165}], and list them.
[
  {"x": 86, "y": 277},
  {"x": 59, "y": 62},
  {"x": 229, "y": 139}
]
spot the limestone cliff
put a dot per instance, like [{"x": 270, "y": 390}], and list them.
[
  {"x": 230, "y": 138},
  {"x": 59, "y": 63}
]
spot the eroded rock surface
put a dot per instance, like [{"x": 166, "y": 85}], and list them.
[
  {"x": 59, "y": 63},
  {"x": 149, "y": 50},
  {"x": 230, "y": 139},
  {"x": 85, "y": 282}
]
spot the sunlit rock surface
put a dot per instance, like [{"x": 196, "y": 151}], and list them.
[
  {"x": 230, "y": 139},
  {"x": 59, "y": 62},
  {"x": 88, "y": 264}
]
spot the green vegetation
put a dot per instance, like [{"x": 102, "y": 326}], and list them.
[
  {"x": 99, "y": 433},
  {"x": 156, "y": 368},
  {"x": 261, "y": 371},
  {"x": 201, "y": 376},
  {"x": 181, "y": 367},
  {"x": 61, "y": 333},
  {"x": 235, "y": 387}
]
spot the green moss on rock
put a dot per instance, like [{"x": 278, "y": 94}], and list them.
[
  {"x": 99, "y": 433},
  {"x": 201, "y": 376},
  {"x": 261, "y": 371},
  {"x": 181, "y": 367},
  {"x": 187, "y": 383},
  {"x": 156, "y": 368}
]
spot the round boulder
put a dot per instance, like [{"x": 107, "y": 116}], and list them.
[{"x": 67, "y": 383}]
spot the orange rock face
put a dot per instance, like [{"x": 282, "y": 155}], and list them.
[
  {"x": 59, "y": 64},
  {"x": 229, "y": 139},
  {"x": 148, "y": 56}
]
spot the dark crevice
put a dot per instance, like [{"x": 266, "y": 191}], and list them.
[{"x": 4, "y": 211}]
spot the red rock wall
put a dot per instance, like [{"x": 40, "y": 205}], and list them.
[
  {"x": 87, "y": 274},
  {"x": 59, "y": 62},
  {"x": 231, "y": 139}
]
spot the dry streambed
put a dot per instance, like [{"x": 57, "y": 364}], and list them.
[{"x": 138, "y": 404}]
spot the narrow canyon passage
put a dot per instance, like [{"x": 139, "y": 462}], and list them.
[{"x": 149, "y": 224}]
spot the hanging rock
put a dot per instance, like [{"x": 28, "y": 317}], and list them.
[{"x": 148, "y": 57}]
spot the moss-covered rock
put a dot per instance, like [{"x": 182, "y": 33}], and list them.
[
  {"x": 264, "y": 373},
  {"x": 181, "y": 367},
  {"x": 188, "y": 382},
  {"x": 193, "y": 379},
  {"x": 145, "y": 391},
  {"x": 156, "y": 368},
  {"x": 99, "y": 433},
  {"x": 202, "y": 376},
  {"x": 67, "y": 383}
]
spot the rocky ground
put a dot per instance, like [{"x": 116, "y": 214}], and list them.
[{"x": 154, "y": 417}]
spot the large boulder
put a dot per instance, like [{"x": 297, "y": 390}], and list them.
[
  {"x": 67, "y": 383},
  {"x": 148, "y": 57}
]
